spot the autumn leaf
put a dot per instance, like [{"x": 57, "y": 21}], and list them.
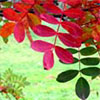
[
  {"x": 64, "y": 55},
  {"x": 7, "y": 29},
  {"x": 48, "y": 60},
  {"x": 41, "y": 46}
]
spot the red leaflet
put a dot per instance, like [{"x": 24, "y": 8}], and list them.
[
  {"x": 52, "y": 8},
  {"x": 19, "y": 32},
  {"x": 72, "y": 2},
  {"x": 41, "y": 46},
  {"x": 10, "y": 14},
  {"x": 64, "y": 55},
  {"x": 48, "y": 18},
  {"x": 74, "y": 13},
  {"x": 73, "y": 28},
  {"x": 68, "y": 40},
  {"x": 28, "y": 1},
  {"x": 21, "y": 7},
  {"x": 48, "y": 60},
  {"x": 44, "y": 31},
  {"x": 7, "y": 29}
]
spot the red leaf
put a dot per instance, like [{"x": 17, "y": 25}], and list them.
[
  {"x": 64, "y": 55},
  {"x": 19, "y": 32},
  {"x": 48, "y": 18},
  {"x": 68, "y": 40},
  {"x": 73, "y": 28},
  {"x": 44, "y": 31},
  {"x": 52, "y": 8},
  {"x": 10, "y": 14},
  {"x": 7, "y": 29},
  {"x": 41, "y": 46},
  {"x": 48, "y": 60},
  {"x": 28, "y": 1},
  {"x": 72, "y": 2},
  {"x": 21, "y": 7},
  {"x": 74, "y": 13}
]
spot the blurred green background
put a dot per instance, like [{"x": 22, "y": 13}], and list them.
[{"x": 43, "y": 85}]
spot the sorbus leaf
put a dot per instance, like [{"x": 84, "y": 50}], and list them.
[
  {"x": 44, "y": 31},
  {"x": 48, "y": 18},
  {"x": 10, "y": 14},
  {"x": 33, "y": 20},
  {"x": 73, "y": 28},
  {"x": 7, "y": 29},
  {"x": 28, "y": 1},
  {"x": 19, "y": 32},
  {"x": 52, "y": 8},
  {"x": 64, "y": 55},
  {"x": 68, "y": 40},
  {"x": 74, "y": 13},
  {"x": 48, "y": 60},
  {"x": 41, "y": 46},
  {"x": 21, "y": 7}
]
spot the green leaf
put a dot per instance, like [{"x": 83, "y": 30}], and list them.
[
  {"x": 88, "y": 51},
  {"x": 73, "y": 51},
  {"x": 90, "y": 61},
  {"x": 91, "y": 71},
  {"x": 75, "y": 61},
  {"x": 82, "y": 88},
  {"x": 67, "y": 75},
  {"x": 5, "y": 40},
  {"x": 90, "y": 40}
]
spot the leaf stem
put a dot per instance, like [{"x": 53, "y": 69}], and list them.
[
  {"x": 79, "y": 56},
  {"x": 59, "y": 26}
]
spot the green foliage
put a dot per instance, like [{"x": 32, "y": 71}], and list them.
[
  {"x": 82, "y": 88},
  {"x": 12, "y": 83},
  {"x": 67, "y": 75},
  {"x": 90, "y": 61},
  {"x": 88, "y": 51},
  {"x": 91, "y": 71},
  {"x": 73, "y": 51}
]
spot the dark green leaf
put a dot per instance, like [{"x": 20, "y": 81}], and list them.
[
  {"x": 67, "y": 75},
  {"x": 5, "y": 40},
  {"x": 73, "y": 51},
  {"x": 88, "y": 51},
  {"x": 82, "y": 88},
  {"x": 91, "y": 71},
  {"x": 75, "y": 61},
  {"x": 90, "y": 40},
  {"x": 90, "y": 61},
  {"x": 93, "y": 77}
]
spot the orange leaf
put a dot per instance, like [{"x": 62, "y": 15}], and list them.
[
  {"x": 33, "y": 20},
  {"x": 7, "y": 29}
]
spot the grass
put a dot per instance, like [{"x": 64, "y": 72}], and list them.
[{"x": 43, "y": 85}]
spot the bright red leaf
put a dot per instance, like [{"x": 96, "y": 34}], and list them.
[
  {"x": 68, "y": 40},
  {"x": 52, "y": 8},
  {"x": 64, "y": 55},
  {"x": 48, "y": 18},
  {"x": 48, "y": 60},
  {"x": 73, "y": 28},
  {"x": 21, "y": 7},
  {"x": 10, "y": 14},
  {"x": 72, "y": 2},
  {"x": 41, "y": 46},
  {"x": 44, "y": 31},
  {"x": 28, "y": 1},
  {"x": 74, "y": 13},
  {"x": 19, "y": 32}
]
